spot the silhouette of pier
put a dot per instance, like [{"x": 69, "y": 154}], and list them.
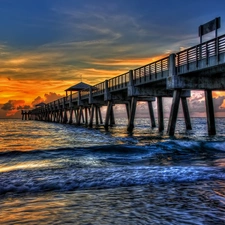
[{"x": 201, "y": 67}]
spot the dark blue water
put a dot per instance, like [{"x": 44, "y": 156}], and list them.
[{"x": 58, "y": 174}]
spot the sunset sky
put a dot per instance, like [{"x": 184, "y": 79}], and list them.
[{"x": 46, "y": 46}]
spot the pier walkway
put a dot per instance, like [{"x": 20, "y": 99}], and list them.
[{"x": 201, "y": 67}]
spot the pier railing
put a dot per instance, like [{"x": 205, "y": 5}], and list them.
[
  {"x": 191, "y": 59},
  {"x": 118, "y": 83},
  {"x": 98, "y": 89},
  {"x": 151, "y": 72},
  {"x": 84, "y": 93},
  {"x": 200, "y": 56}
]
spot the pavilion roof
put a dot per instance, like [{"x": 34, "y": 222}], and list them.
[
  {"x": 78, "y": 87},
  {"x": 40, "y": 104}
]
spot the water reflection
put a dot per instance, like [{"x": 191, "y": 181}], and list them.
[{"x": 198, "y": 203}]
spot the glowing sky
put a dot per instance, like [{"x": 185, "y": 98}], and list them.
[{"x": 47, "y": 45}]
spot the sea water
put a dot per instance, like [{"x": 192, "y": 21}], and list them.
[{"x": 53, "y": 173}]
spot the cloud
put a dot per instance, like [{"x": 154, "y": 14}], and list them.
[
  {"x": 219, "y": 104},
  {"x": 12, "y": 107},
  {"x": 94, "y": 40},
  {"x": 197, "y": 104},
  {"x": 37, "y": 101},
  {"x": 50, "y": 97},
  {"x": 223, "y": 105}
]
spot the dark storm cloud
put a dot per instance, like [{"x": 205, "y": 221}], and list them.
[
  {"x": 14, "y": 105},
  {"x": 8, "y": 106}
]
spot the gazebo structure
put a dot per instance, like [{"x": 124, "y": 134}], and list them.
[
  {"x": 41, "y": 104},
  {"x": 77, "y": 87},
  {"x": 78, "y": 111}
]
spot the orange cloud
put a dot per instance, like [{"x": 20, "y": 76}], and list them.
[
  {"x": 217, "y": 94},
  {"x": 13, "y": 106},
  {"x": 11, "y": 112},
  {"x": 223, "y": 105}
]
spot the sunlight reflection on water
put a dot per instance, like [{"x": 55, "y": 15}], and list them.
[{"x": 171, "y": 204}]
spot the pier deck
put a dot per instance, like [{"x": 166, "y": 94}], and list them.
[{"x": 201, "y": 67}]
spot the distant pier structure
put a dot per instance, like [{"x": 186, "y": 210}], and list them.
[
  {"x": 26, "y": 114},
  {"x": 201, "y": 67}
]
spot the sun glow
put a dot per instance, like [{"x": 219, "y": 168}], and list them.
[{"x": 27, "y": 166}]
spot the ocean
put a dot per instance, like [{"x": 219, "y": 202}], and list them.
[{"x": 53, "y": 173}]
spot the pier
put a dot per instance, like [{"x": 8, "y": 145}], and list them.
[{"x": 201, "y": 67}]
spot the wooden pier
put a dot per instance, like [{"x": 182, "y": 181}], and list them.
[{"x": 201, "y": 67}]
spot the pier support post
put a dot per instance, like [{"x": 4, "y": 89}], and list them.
[
  {"x": 151, "y": 113},
  {"x": 65, "y": 116},
  {"x": 91, "y": 115},
  {"x": 71, "y": 116},
  {"x": 76, "y": 115},
  {"x": 210, "y": 112},
  {"x": 112, "y": 117},
  {"x": 160, "y": 113},
  {"x": 50, "y": 115},
  {"x": 174, "y": 111},
  {"x": 54, "y": 115},
  {"x": 86, "y": 115},
  {"x": 79, "y": 115},
  {"x": 58, "y": 115},
  {"x": 96, "y": 115},
  {"x": 100, "y": 115},
  {"x": 108, "y": 111},
  {"x": 82, "y": 114},
  {"x": 130, "y": 126},
  {"x": 22, "y": 115},
  {"x": 61, "y": 116},
  {"x": 128, "y": 109},
  {"x": 186, "y": 113}
]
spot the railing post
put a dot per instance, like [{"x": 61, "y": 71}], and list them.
[
  {"x": 107, "y": 95},
  {"x": 144, "y": 73},
  {"x": 197, "y": 56},
  {"x": 187, "y": 60},
  {"x": 207, "y": 54},
  {"x": 150, "y": 73},
  {"x": 161, "y": 68},
  {"x": 171, "y": 81},
  {"x": 172, "y": 65},
  {"x": 217, "y": 49},
  {"x": 130, "y": 88}
]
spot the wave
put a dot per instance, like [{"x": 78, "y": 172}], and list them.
[
  {"x": 101, "y": 149},
  {"x": 166, "y": 152},
  {"x": 99, "y": 178},
  {"x": 166, "y": 145}
]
